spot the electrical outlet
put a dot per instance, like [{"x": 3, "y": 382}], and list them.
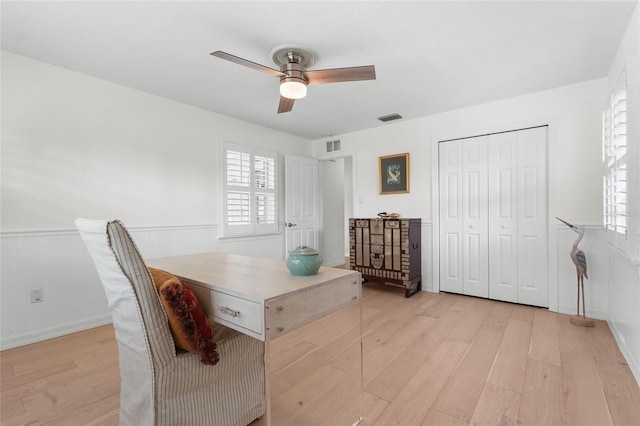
[{"x": 37, "y": 295}]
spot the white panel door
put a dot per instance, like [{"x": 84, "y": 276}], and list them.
[
  {"x": 532, "y": 217},
  {"x": 474, "y": 217},
  {"x": 302, "y": 211},
  {"x": 450, "y": 203},
  {"x": 503, "y": 217}
]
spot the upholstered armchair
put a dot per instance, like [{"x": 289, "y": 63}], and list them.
[{"x": 161, "y": 385}]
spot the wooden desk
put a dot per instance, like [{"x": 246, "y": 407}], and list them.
[{"x": 259, "y": 297}]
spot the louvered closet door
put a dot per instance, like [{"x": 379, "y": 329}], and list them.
[{"x": 450, "y": 203}]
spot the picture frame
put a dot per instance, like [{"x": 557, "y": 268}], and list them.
[{"x": 394, "y": 173}]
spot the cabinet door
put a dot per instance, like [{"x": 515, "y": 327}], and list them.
[
  {"x": 362, "y": 242},
  {"x": 474, "y": 217},
  {"x": 450, "y": 204}
]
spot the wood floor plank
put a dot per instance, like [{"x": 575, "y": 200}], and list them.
[
  {"x": 437, "y": 418},
  {"x": 459, "y": 397},
  {"x": 545, "y": 341},
  {"x": 305, "y": 391},
  {"x": 384, "y": 352},
  {"x": 11, "y": 408},
  {"x": 617, "y": 380},
  {"x": 603, "y": 344},
  {"x": 584, "y": 399},
  {"x": 542, "y": 395},
  {"x": 413, "y": 403},
  {"x": 499, "y": 315},
  {"x": 624, "y": 412},
  {"x": 427, "y": 302},
  {"x": 391, "y": 380},
  {"x": 523, "y": 312},
  {"x": 291, "y": 354},
  {"x": 319, "y": 357},
  {"x": 326, "y": 329},
  {"x": 373, "y": 407},
  {"x": 87, "y": 413},
  {"x": 468, "y": 327},
  {"x": 443, "y": 304},
  {"x": 496, "y": 406},
  {"x": 574, "y": 339},
  {"x": 511, "y": 362}
]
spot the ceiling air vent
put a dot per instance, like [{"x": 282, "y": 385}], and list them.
[
  {"x": 390, "y": 117},
  {"x": 333, "y": 146}
]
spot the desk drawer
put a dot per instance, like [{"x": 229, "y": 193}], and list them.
[
  {"x": 235, "y": 311},
  {"x": 289, "y": 312}
]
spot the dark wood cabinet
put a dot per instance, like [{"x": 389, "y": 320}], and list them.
[{"x": 388, "y": 251}]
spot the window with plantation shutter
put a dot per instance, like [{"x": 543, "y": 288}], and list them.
[
  {"x": 614, "y": 137},
  {"x": 250, "y": 191}
]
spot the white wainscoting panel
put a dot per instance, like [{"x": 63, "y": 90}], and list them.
[
  {"x": 427, "y": 256},
  {"x": 74, "y": 299},
  {"x": 269, "y": 246},
  {"x": 624, "y": 308}
]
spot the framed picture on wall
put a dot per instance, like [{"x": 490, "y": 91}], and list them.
[{"x": 394, "y": 173}]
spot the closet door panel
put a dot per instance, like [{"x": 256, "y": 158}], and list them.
[
  {"x": 450, "y": 182},
  {"x": 474, "y": 217},
  {"x": 532, "y": 217},
  {"x": 503, "y": 219}
]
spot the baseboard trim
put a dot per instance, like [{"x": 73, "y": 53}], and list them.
[
  {"x": 50, "y": 333},
  {"x": 622, "y": 345}
]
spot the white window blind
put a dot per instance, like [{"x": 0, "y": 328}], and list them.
[
  {"x": 250, "y": 188},
  {"x": 615, "y": 157}
]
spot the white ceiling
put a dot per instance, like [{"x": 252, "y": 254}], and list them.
[{"x": 430, "y": 56}]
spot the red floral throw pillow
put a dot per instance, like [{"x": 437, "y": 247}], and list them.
[{"x": 192, "y": 330}]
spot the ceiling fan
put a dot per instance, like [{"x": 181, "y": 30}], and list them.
[{"x": 293, "y": 61}]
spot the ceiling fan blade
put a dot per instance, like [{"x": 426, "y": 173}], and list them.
[
  {"x": 241, "y": 61},
  {"x": 286, "y": 104},
  {"x": 338, "y": 75}
]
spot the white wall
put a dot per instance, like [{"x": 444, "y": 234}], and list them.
[{"x": 74, "y": 145}]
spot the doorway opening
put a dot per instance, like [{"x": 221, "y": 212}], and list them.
[{"x": 336, "y": 195}]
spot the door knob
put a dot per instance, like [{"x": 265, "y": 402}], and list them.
[{"x": 289, "y": 224}]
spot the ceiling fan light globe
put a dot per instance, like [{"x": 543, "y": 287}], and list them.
[{"x": 293, "y": 89}]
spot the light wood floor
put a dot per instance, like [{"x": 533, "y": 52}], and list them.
[{"x": 433, "y": 359}]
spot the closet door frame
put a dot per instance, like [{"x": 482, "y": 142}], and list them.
[{"x": 551, "y": 123}]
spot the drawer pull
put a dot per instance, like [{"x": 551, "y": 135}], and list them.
[
  {"x": 229, "y": 311},
  {"x": 281, "y": 307},
  {"x": 280, "y": 329}
]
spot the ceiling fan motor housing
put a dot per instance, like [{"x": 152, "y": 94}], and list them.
[{"x": 293, "y": 72}]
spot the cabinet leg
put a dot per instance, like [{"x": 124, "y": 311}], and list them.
[{"x": 413, "y": 289}]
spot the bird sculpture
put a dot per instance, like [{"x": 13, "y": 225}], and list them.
[{"x": 580, "y": 260}]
